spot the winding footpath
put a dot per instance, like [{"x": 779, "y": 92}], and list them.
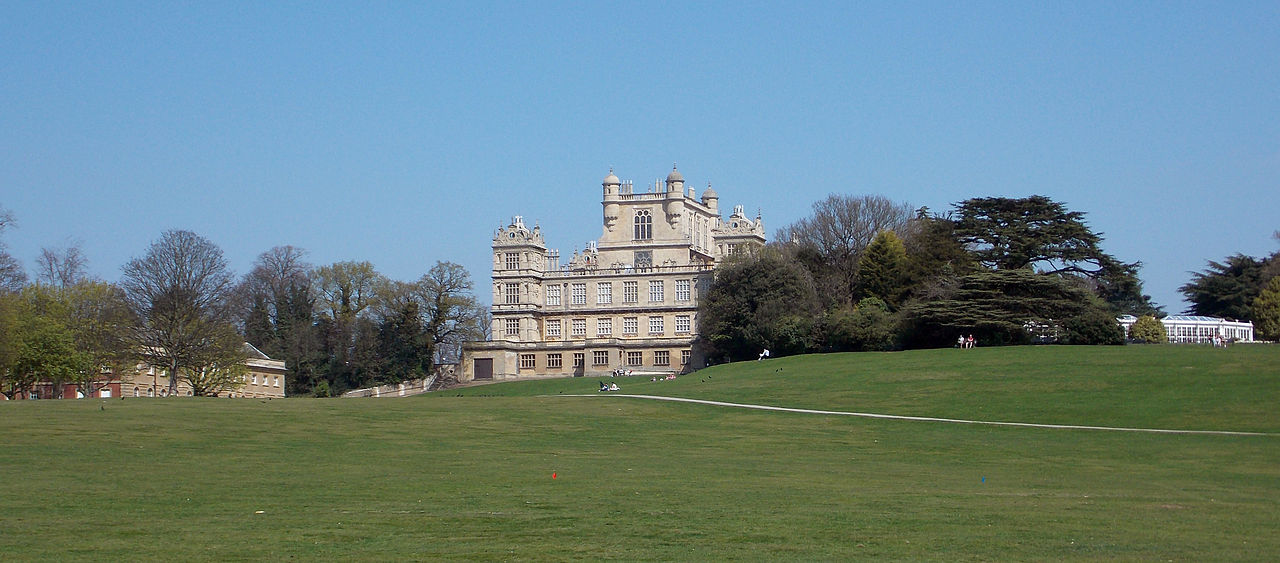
[{"x": 926, "y": 418}]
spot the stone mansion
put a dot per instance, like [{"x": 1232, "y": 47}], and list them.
[{"x": 628, "y": 301}]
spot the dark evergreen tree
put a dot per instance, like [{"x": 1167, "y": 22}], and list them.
[
  {"x": 1030, "y": 232},
  {"x": 258, "y": 329},
  {"x": 402, "y": 348},
  {"x": 1118, "y": 284},
  {"x": 1226, "y": 289},
  {"x": 1093, "y": 326},
  {"x": 883, "y": 270},
  {"x": 998, "y": 307},
  {"x": 934, "y": 251}
]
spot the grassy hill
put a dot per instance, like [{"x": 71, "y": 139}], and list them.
[{"x": 468, "y": 474}]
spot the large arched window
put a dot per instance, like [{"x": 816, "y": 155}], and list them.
[{"x": 644, "y": 225}]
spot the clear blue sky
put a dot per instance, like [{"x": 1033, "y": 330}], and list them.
[{"x": 405, "y": 133}]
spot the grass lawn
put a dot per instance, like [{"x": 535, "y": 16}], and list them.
[{"x": 468, "y": 474}]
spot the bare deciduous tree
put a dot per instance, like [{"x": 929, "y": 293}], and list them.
[
  {"x": 840, "y": 229},
  {"x": 180, "y": 292},
  {"x": 451, "y": 314},
  {"x": 274, "y": 297},
  {"x": 12, "y": 276},
  {"x": 63, "y": 268}
]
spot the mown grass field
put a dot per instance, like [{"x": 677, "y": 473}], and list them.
[{"x": 468, "y": 474}]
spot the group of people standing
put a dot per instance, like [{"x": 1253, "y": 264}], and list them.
[{"x": 966, "y": 342}]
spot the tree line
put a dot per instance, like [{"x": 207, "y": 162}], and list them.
[
  {"x": 180, "y": 308},
  {"x": 867, "y": 273}
]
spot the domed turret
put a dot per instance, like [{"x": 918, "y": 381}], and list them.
[
  {"x": 675, "y": 175},
  {"x": 710, "y": 198},
  {"x": 675, "y": 183},
  {"x": 612, "y": 194}
]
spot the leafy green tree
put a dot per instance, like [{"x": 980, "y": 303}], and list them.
[
  {"x": 756, "y": 302},
  {"x": 42, "y": 340},
  {"x": 345, "y": 291},
  {"x": 883, "y": 270},
  {"x": 867, "y": 327},
  {"x": 1226, "y": 289},
  {"x": 1266, "y": 311},
  {"x": 49, "y": 339},
  {"x": 10, "y": 305},
  {"x": 101, "y": 322},
  {"x": 1149, "y": 330},
  {"x": 47, "y": 354}
]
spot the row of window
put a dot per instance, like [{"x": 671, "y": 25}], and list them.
[
  {"x": 553, "y": 328},
  {"x": 604, "y": 292},
  {"x": 164, "y": 392},
  {"x": 253, "y": 378},
  {"x": 600, "y": 358},
  {"x": 1206, "y": 331}
]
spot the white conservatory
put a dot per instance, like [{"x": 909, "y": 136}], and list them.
[{"x": 1196, "y": 329}]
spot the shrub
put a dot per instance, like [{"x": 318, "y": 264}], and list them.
[
  {"x": 1093, "y": 327},
  {"x": 1147, "y": 329}
]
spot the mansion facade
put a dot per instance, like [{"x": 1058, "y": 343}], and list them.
[{"x": 626, "y": 302}]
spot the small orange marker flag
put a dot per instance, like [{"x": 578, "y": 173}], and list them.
[{"x": 553, "y": 474}]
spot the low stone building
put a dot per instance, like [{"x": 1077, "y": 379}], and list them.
[
  {"x": 263, "y": 378},
  {"x": 626, "y": 302}
]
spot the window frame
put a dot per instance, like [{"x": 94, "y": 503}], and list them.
[
  {"x": 657, "y": 291},
  {"x": 683, "y": 291},
  {"x": 657, "y": 322},
  {"x": 661, "y": 357}
]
